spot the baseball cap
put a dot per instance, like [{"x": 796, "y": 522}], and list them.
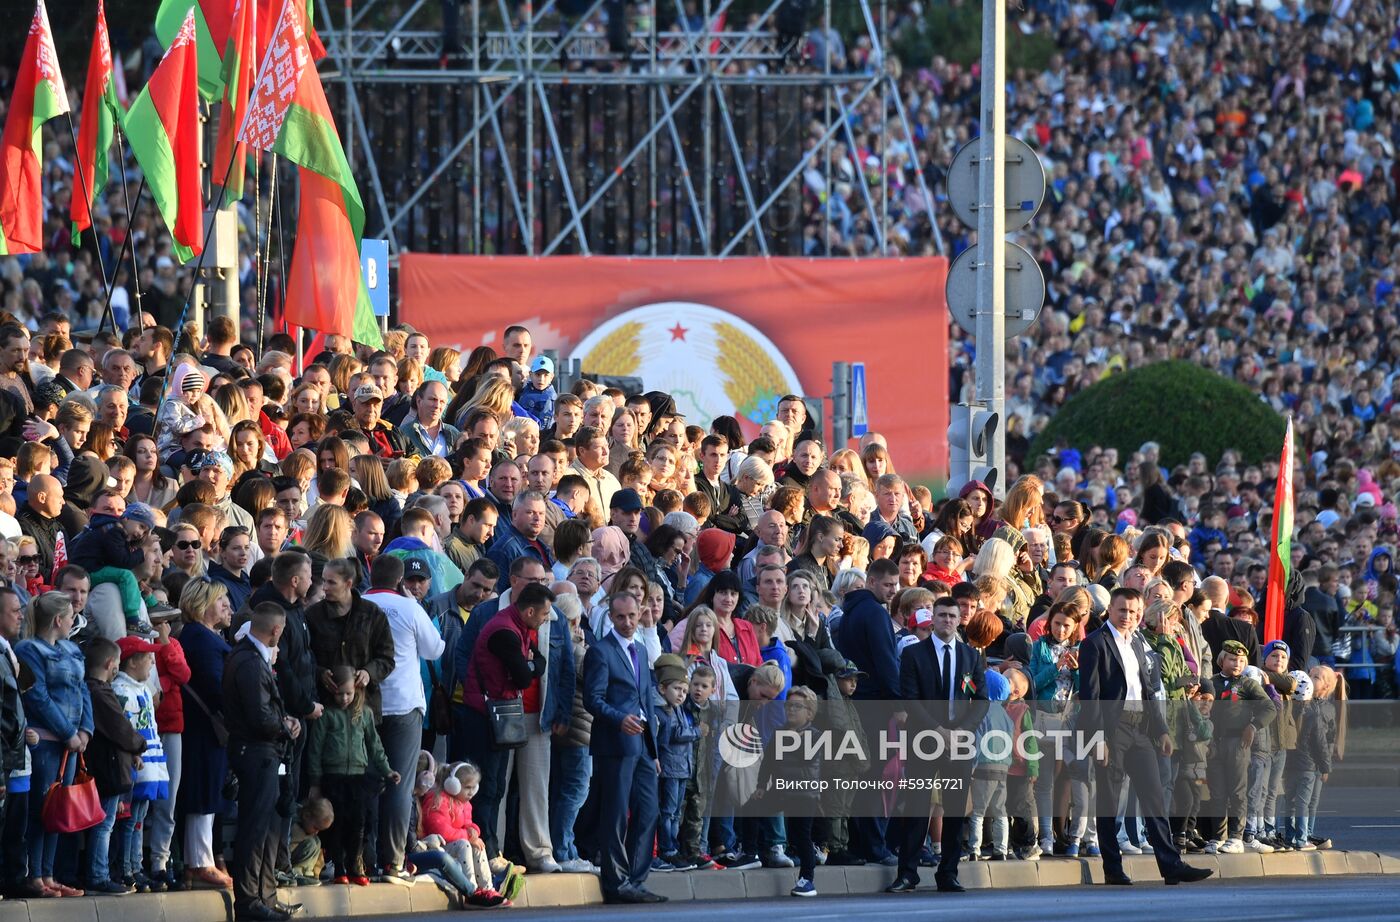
[
  {"x": 542, "y": 363},
  {"x": 141, "y": 514},
  {"x": 921, "y": 618},
  {"x": 368, "y": 392},
  {"x": 413, "y": 568},
  {"x": 850, "y": 671},
  {"x": 627, "y": 500},
  {"x": 130, "y": 646}
]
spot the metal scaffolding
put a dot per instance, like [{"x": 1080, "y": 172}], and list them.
[{"x": 555, "y": 130}]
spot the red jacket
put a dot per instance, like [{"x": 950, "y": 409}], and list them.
[
  {"x": 448, "y": 817},
  {"x": 281, "y": 445},
  {"x": 174, "y": 672},
  {"x": 746, "y": 640}
]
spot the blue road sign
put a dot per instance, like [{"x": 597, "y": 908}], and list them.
[
  {"x": 860, "y": 416},
  {"x": 374, "y": 263}
]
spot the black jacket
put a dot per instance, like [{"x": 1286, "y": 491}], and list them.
[
  {"x": 12, "y": 722},
  {"x": 922, "y": 685},
  {"x": 361, "y": 640},
  {"x": 296, "y": 667},
  {"x": 1102, "y": 679},
  {"x": 1219, "y": 627},
  {"x": 723, "y": 497},
  {"x": 44, "y": 531},
  {"x": 111, "y": 755},
  {"x": 253, "y": 710}
]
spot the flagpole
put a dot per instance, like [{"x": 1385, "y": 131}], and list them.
[
  {"x": 267, "y": 256},
  {"x": 281, "y": 257},
  {"x": 92, "y": 222},
  {"x": 128, "y": 244},
  {"x": 130, "y": 223}
]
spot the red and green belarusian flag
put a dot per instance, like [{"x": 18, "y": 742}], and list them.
[
  {"x": 214, "y": 20},
  {"x": 289, "y": 115},
  {"x": 1281, "y": 558},
  {"x": 39, "y": 96},
  {"x": 239, "y": 72},
  {"x": 163, "y": 131},
  {"x": 100, "y": 112}
]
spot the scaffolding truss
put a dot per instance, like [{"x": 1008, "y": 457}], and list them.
[{"x": 552, "y": 130}]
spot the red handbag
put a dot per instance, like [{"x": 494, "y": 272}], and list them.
[{"x": 72, "y": 807}]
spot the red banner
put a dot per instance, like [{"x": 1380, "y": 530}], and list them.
[{"x": 721, "y": 336}]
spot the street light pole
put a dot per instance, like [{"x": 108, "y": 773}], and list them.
[{"x": 991, "y": 232}]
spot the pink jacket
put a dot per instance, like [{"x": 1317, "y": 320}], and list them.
[{"x": 448, "y": 817}]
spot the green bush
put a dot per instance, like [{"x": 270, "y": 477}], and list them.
[{"x": 1179, "y": 405}]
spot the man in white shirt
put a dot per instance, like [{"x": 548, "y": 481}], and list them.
[
  {"x": 403, "y": 703},
  {"x": 1120, "y": 693}
]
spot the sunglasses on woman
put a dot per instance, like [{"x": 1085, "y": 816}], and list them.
[
  {"x": 189, "y": 545},
  {"x": 29, "y": 558}
]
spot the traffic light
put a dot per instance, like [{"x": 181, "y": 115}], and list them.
[{"x": 970, "y": 435}]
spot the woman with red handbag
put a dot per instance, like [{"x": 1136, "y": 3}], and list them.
[{"x": 59, "y": 708}]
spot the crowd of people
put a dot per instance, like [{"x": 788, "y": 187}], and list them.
[
  {"x": 413, "y": 612},
  {"x": 508, "y": 622}
]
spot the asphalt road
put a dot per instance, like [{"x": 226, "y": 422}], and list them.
[
  {"x": 1362, "y": 819},
  {"x": 1356, "y": 899}
]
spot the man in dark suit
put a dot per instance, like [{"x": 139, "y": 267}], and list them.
[
  {"x": 617, "y": 692},
  {"x": 865, "y": 636},
  {"x": 259, "y": 730},
  {"x": 1121, "y": 688},
  {"x": 940, "y": 679}
]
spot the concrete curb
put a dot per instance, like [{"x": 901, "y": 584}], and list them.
[{"x": 332, "y": 902}]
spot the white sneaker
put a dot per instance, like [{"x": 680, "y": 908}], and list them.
[
  {"x": 1145, "y": 848},
  {"x": 1232, "y": 847},
  {"x": 1262, "y": 848},
  {"x": 577, "y": 866},
  {"x": 545, "y": 865},
  {"x": 1213, "y": 847},
  {"x": 1128, "y": 848}
]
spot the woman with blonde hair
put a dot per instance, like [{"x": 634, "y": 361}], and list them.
[
  {"x": 328, "y": 531},
  {"x": 698, "y": 646},
  {"x": 847, "y": 461},
  {"x": 494, "y": 395},
  {"x": 524, "y": 433},
  {"x": 782, "y": 439},
  {"x": 997, "y": 559},
  {"x": 1024, "y": 503},
  {"x": 234, "y": 403},
  {"x": 187, "y": 551},
  {"x": 306, "y": 398},
  {"x": 368, "y": 471}
]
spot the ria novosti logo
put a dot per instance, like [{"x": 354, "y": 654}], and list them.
[{"x": 740, "y": 745}]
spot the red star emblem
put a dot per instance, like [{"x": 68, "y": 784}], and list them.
[{"x": 678, "y": 332}]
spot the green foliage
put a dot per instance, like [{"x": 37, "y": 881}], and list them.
[{"x": 1179, "y": 405}]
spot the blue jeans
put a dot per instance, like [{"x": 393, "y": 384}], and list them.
[
  {"x": 1273, "y": 797},
  {"x": 1303, "y": 790},
  {"x": 47, "y": 757},
  {"x": 129, "y": 838},
  {"x": 672, "y": 793},
  {"x": 568, "y": 782},
  {"x": 1260, "y": 769},
  {"x": 441, "y": 864},
  {"x": 100, "y": 841},
  {"x": 402, "y": 736}
]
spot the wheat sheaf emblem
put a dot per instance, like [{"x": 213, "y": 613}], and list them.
[
  {"x": 616, "y": 353},
  {"x": 752, "y": 379}
]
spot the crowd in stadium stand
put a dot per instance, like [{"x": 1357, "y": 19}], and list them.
[{"x": 422, "y": 541}]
